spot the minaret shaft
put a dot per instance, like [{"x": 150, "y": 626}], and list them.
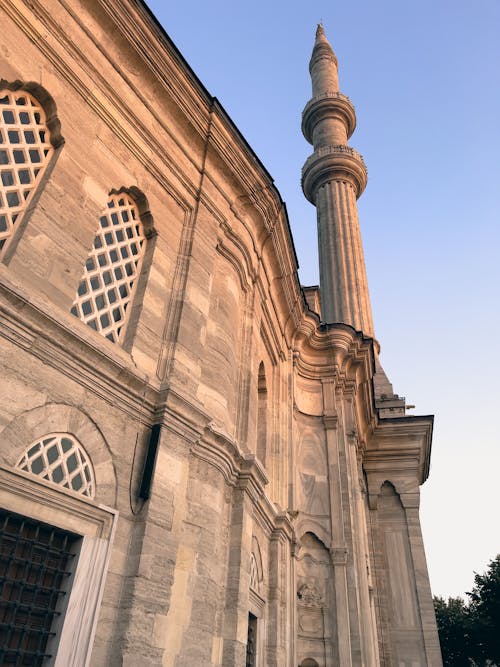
[
  {"x": 332, "y": 179},
  {"x": 341, "y": 258}
]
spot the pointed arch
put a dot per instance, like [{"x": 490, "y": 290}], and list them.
[
  {"x": 111, "y": 273},
  {"x": 30, "y": 133}
]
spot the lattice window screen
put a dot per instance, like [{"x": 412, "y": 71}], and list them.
[
  {"x": 25, "y": 150},
  {"x": 106, "y": 289},
  {"x": 59, "y": 458}
]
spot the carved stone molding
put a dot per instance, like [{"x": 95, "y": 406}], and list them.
[
  {"x": 333, "y": 163},
  {"x": 328, "y": 105},
  {"x": 339, "y": 555},
  {"x": 309, "y": 595}
]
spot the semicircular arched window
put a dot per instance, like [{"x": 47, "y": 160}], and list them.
[
  {"x": 107, "y": 286},
  {"x": 25, "y": 150},
  {"x": 59, "y": 458}
]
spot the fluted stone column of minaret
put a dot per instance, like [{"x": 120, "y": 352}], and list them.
[{"x": 333, "y": 178}]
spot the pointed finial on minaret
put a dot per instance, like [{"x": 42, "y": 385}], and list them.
[{"x": 323, "y": 64}]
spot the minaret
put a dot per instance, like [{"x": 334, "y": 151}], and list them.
[{"x": 333, "y": 177}]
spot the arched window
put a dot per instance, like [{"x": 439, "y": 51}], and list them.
[
  {"x": 262, "y": 414},
  {"x": 106, "y": 289},
  {"x": 26, "y": 147},
  {"x": 59, "y": 458}
]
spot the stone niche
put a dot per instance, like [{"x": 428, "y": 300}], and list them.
[{"x": 313, "y": 573}]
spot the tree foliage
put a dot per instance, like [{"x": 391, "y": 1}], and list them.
[{"x": 469, "y": 632}]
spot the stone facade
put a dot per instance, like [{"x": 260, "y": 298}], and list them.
[{"x": 153, "y": 329}]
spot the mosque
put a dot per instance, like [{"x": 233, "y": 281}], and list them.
[{"x": 202, "y": 463}]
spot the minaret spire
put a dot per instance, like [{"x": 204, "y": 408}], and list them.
[
  {"x": 324, "y": 76},
  {"x": 333, "y": 177}
]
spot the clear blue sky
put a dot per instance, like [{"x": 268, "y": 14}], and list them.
[{"x": 424, "y": 78}]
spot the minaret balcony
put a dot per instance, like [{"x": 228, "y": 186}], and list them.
[
  {"x": 333, "y": 163},
  {"x": 329, "y": 105}
]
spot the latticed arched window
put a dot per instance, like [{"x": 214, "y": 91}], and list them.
[
  {"x": 107, "y": 286},
  {"x": 60, "y": 458},
  {"x": 25, "y": 150}
]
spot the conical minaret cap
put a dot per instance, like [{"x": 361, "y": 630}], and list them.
[
  {"x": 322, "y": 48},
  {"x": 323, "y": 65}
]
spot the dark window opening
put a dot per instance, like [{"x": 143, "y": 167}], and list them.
[
  {"x": 36, "y": 563},
  {"x": 252, "y": 641}
]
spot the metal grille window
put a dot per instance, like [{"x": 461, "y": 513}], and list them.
[
  {"x": 36, "y": 561},
  {"x": 59, "y": 458},
  {"x": 25, "y": 150},
  {"x": 106, "y": 289}
]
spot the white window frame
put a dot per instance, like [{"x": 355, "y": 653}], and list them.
[{"x": 32, "y": 497}]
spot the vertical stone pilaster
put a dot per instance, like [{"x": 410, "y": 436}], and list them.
[
  {"x": 278, "y": 613},
  {"x": 235, "y": 623},
  {"x": 411, "y": 502},
  {"x": 338, "y": 551},
  {"x": 366, "y": 620},
  {"x": 339, "y": 561},
  {"x": 149, "y": 592}
]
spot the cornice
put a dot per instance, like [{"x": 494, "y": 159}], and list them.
[
  {"x": 220, "y": 451},
  {"x": 225, "y": 251},
  {"x": 183, "y": 417},
  {"x": 333, "y": 350},
  {"x": 239, "y": 248},
  {"x": 401, "y": 446},
  {"x": 63, "y": 342},
  {"x": 243, "y": 472}
]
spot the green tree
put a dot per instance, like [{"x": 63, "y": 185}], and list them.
[
  {"x": 469, "y": 632},
  {"x": 484, "y": 608},
  {"x": 453, "y": 623}
]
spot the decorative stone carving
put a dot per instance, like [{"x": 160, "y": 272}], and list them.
[{"x": 308, "y": 594}]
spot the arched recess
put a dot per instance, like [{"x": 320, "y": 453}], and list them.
[
  {"x": 111, "y": 290},
  {"x": 308, "y": 525},
  {"x": 32, "y": 425},
  {"x": 30, "y": 138},
  {"x": 395, "y": 567},
  {"x": 262, "y": 414},
  {"x": 309, "y": 662},
  {"x": 376, "y": 483},
  {"x": 314, "y": 586}
]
